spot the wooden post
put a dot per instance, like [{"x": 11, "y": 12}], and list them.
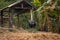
[
  {"x": 18, "y": 24},
  {"x": 21, "y": 5},
  {"x": 1, "y": 18},
  {"x": 58, "y": 24},
  {"x": 31, "y": 14},
  {"x": 11, "y": 25}
]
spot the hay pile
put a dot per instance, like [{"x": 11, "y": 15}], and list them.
[{"x": 29, "y": 36}]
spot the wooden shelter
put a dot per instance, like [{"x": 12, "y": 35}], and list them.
[{"x": 19, "y": 7}]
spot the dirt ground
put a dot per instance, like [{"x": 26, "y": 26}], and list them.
[{"x": 19, "y": 35}]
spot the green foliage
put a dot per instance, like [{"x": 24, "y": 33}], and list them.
[
  {"x": 37, "y": 3},
  {"x": 4, "y": 3},
  {"x": 40, "y": 18}
]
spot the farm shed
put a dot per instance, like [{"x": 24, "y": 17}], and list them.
[{"x": 19, "y": 7}]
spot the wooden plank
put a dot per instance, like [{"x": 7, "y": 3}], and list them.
[{"x": 3, "y": 28}]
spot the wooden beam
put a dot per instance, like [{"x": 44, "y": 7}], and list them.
[{"x": 21, "y": 8}]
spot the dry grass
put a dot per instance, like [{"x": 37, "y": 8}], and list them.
[{"x": 25, "y": 35}]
